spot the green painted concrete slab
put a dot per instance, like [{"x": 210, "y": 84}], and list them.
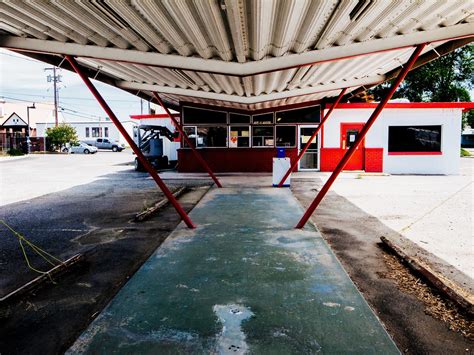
[{"x": 244, "y": 281}]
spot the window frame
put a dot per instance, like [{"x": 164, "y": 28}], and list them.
[
  {"x": 264, "y": 114},
  {"x": 299, "y": 122},
  {"x": 238, "y": 123},
  {"x": 250, "y": 136},
  {"x": 414, "y": 152},
  {"x": 263, "y": 146},
  {"x": 296, "y": 135},
  {"x": 196, "y": 127},
  {"x": 183, "y": 121}
]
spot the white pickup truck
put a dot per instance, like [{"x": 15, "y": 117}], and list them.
[{"x": 105, "y": 143}]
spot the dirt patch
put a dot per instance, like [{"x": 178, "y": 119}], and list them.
[{"x": 435, "y": 304}]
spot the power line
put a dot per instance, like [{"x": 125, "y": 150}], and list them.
[
  {"x": 69, "y": 97},
  {"x": 19, "y": 57}
]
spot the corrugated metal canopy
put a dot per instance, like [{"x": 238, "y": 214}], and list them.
[{"x": 245, "y": 54}]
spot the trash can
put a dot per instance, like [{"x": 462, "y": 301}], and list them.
[{"x": 280, "y": 167}]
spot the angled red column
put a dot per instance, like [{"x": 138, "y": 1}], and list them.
[
  {"x": 132, "y": 144},
  {"x": 189, "y": 143},
  {"x": 311, "y": 139},
  {"x": 360, "y": 137}
]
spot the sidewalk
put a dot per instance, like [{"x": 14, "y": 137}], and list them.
[{"x": 243, "y": 280}]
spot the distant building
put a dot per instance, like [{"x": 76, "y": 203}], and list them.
[{"x": 41, "y": 117}]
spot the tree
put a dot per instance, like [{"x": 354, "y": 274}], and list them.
[
  {"x": 62, "y": 134},
  {"x": 447, "y": 79}
]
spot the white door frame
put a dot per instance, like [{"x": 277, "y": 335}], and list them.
[{"x": 319, "y": 146}]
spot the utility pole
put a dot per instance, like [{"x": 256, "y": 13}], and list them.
[{"x": 55, "y": 79}]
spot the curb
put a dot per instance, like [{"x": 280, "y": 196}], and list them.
[{"x": 446, "y": 278}]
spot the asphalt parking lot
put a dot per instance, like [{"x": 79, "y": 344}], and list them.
[
  {"x": 69, "y": 204},
  {"x": 36, "y": 175}
]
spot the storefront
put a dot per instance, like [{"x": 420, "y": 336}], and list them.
[
  {"x": 408, "y": 138},
  {"x": 232, "y": 141}
]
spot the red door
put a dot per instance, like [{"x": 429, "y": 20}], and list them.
[{"x": 349, "y": 133}]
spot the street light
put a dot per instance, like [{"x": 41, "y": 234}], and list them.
[{"x": 28, "y": 142}]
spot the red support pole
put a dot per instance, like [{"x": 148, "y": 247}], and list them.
[
  {"x": 132, "y": 144},
  {"x": 305, "y": 148},
  {"x": 360, "y": 137},
  {"x": 189, "y": 143}
]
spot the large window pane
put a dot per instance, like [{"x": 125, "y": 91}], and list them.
[
  {"x": 262, "y": 136},
  {"x": 266, "y": 118},
  {"x": 302, "y": 115},
  {"x": 414, "y": 139},
  {"x": 191, "y": 133},
  {"x": 239, "y": 136},
  {"x": 212, "y": 136},
  {"x": 285, "y": 136},
  {"x": 238, "y": 118},
  {"x": 192, "y": 115}
]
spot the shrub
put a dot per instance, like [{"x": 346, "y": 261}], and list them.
[
  {"x": 15, "y": 152},
  {"x": 60, "y": 135}
]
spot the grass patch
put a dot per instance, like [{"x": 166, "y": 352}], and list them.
[{"x": 465, "y": 153}]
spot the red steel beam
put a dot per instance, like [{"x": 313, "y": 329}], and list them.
[
  {"x": 305, "y": 148},
  {"x": 190, "y": 144},
  {"x": 360, "y": 137},
  {"x": 146, "y": 164}
]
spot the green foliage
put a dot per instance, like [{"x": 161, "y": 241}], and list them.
[
  {"x": 465, "y": 153},
  {"x": 446, "y": 79},
  {"x": 60, "y": 135},
  {"x": 15, "y": 152},
  {"x": 468, "y": 119}
]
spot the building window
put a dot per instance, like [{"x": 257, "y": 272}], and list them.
[
  {"x": 266, "y": 118},
  {"x": 106, "y": 131},
  {"x": 239, "y": 137},
  {"x": 193, "y": 115},
  {"x": 191, "y": 134},
  {"x": 238, "y": 118},
  {"x": 262, "y": 136},
  {"x": 96, "y": 131},
  {"x": 87, "y": 132},
  {"x": 414, "y": 139},
  {"x": 207, "y": 136},
  {"x": 285, "y": 136},
  {"x": 302, "y": 115}
]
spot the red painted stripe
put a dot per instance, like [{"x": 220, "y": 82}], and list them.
[
  {"x": 144, "y": 117},
  {"x": 415, "y": 153},
  {"x": 408, "y": 105}
]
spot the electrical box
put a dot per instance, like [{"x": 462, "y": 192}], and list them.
[{"x": 280, "y": 167}]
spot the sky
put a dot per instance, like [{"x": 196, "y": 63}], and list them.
[{"x": 24, "y": 79}]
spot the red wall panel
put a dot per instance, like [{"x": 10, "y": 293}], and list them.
[
  {"x": 374, "y": 160},
  {"x": 330, "y": 157},
  {"x": 231, "y": 159}
]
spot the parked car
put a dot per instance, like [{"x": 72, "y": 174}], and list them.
[
  {"x": 105, "y": 143},
  {"x": 82, "y": 148}
]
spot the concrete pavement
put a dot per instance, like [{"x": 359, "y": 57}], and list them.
[{"x": 244, "y": 281}]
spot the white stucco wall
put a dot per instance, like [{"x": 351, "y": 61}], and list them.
[{"x": 449, "y": 119}]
